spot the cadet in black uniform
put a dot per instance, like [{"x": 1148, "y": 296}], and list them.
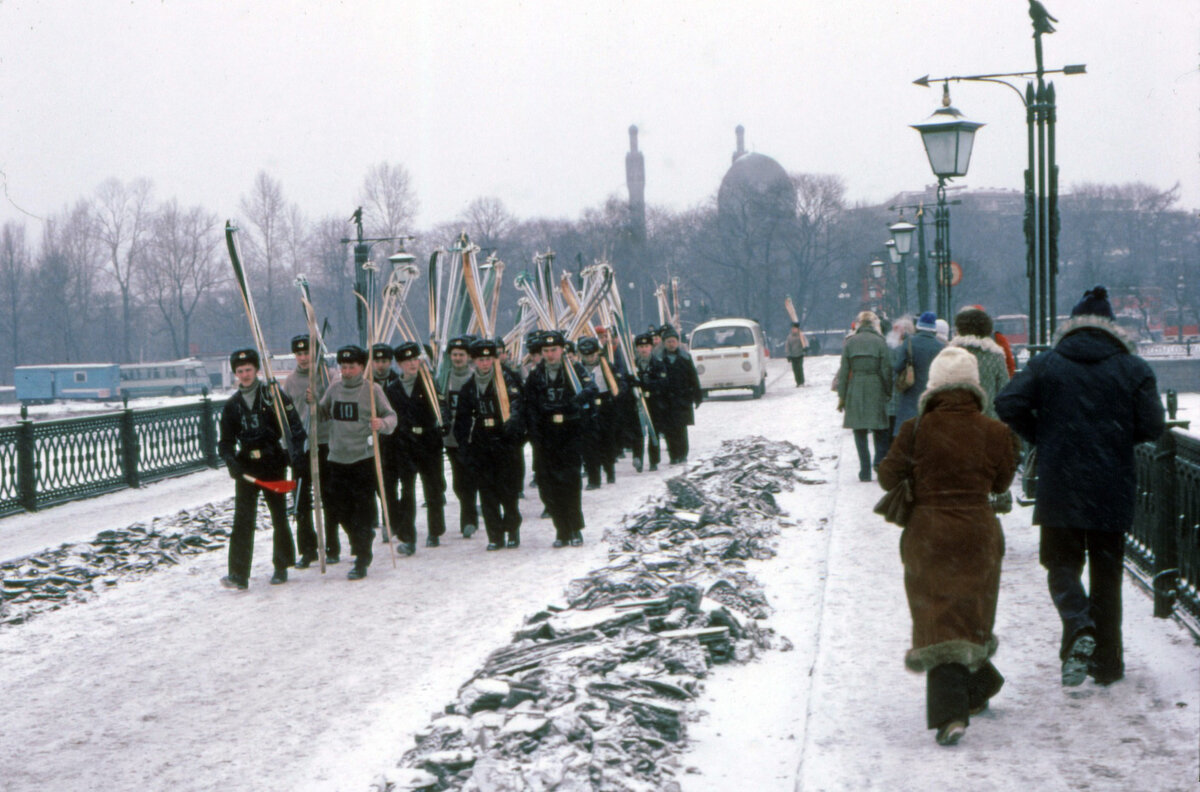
[
  {"x": 651, "y": 376},
  {"x": 300, "y": 386},
  {"x": 417, "y": 451},
  {"x": 460, "y": 476},
  {"x": 680, "y": 397},
  {"x": 384, "y": 375},
  {"x": 602, "y": 434},
  {"x": 489, "y": 445},
  {"x": 555, "y": 413},
  {"x": 251, "y": 445}
]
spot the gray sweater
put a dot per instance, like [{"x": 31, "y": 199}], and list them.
[{"x": 346, "y": 406}]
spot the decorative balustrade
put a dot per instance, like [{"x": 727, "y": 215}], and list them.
[{"x": 48, "y": 462}]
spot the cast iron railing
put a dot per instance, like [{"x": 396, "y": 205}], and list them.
[{"x": 48, "y": 462}]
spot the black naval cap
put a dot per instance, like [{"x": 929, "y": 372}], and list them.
[
  {"x": 459, "y": 342},
  {"x": 644, "y": 339},
  {"x": 553, "y": 338},
  {"x": 381, "y": 351},
  {"x": 483, "y": 348},
  {"x": 300, "y": 343},
  {"x": 668, "y": 332},
  {"x": 588, "y": 346},
  {"x": 533, "y": 341},
  {"x": 408, "y": 350},
  {"x": 241, "y": 357},
  {"x": 352, "y": 353}
]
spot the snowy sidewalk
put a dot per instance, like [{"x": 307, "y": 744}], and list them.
[{"x": 170, "y": 682}]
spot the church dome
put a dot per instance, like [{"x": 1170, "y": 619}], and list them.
[{"x": 757, "y": 183}]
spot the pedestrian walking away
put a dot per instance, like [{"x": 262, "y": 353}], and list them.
[
  {"x": 919, "y": 349},
  {"x": 795, "y": 350},
  {"x": 955, "y": 456},
  {"x": 353, "y": 487},
  {"x": 1085, "y": 404},
  {"x": 864, "y": 385},
  {"x": 252, "y": 445}
]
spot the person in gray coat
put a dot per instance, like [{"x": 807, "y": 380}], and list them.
[
  {"x": 921, "y": 347},
  {"x": 864, "y": 385}
]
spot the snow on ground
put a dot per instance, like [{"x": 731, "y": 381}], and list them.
[{"x": 170, "y": 682}]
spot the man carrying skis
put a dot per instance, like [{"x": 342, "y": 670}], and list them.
[
  {"x": 489, "y": 443},
  {"x": 652, "y": 378},
  {"x": 460, "y": 475},
  {"x": 251, "y": 445},
  {"x": 417, "y": 450},
  {"x": 681, "y": 396},
  {"x": 384, "y": 375},
  {"x": 602, "y": 433},
  {"x": 305, "y": 390},
  {"x": 347, "y": 404}
]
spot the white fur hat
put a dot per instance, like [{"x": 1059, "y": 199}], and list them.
[{"x": 954, "y": 367}]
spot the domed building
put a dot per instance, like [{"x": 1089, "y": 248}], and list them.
[{"x": 755, "y": 186}]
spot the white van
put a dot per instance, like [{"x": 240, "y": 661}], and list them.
[{"x": 730, "y": 353}]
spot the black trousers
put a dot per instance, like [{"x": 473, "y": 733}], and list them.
[
  {"x": 245, "y": 514},
  {"x": 306, "y": 534},
  {"x": 676, "y": 437},
  {"x": 951, "y": 692},
  {"x": 493, "y": 471},
  {"x": 797, "y": 369},
  {"x": 559, "y": 483},
  {"x": 1096, "y": 611},
  {"x": 352, "y": 497},
  {"x": 465, "y": 489},
  {"x": 426, "y": 463},
  {"x": 602, "y": 441}
]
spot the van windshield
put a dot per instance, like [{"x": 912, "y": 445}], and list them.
[{"x": 713, "y": 337}]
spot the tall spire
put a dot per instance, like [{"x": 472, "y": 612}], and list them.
[
  {"x": 740, "y": 131},
  {"x": 635, "y": 180}
]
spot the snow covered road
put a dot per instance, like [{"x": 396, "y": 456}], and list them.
[{"x": 171, "y": 683}]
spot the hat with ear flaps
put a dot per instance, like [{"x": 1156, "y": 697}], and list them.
[{"x": 954, "y": 368}]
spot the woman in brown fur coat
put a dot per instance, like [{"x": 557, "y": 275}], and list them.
[{"x": 953, "y": 545}]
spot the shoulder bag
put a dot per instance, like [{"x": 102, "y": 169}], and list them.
[
  {"x": 908, "y": 376},
  {"x": 896, "y": 505}
]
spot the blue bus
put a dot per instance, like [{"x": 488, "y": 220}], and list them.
[
  {"x": 187, "y": 377},
  {"x": 44, "y": 384}
]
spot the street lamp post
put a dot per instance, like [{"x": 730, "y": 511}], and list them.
[
  {"x": 1179, "y": 290},
  {"x": 878, "y": 287},
  {"x": 365, "y": 271},
  {"x": 1041, "y": 178},
  {"x": 948, "y": 139},
  {"x": 902, "y": 233},
  {"x": 900, "y": 304}
]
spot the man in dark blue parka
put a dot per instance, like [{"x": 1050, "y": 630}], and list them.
[{"x": 1085, "y": 404}]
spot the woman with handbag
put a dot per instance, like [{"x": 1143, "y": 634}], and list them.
[
  {"x": 953, "y": 545},
  {"x": 864, "y": 385}
]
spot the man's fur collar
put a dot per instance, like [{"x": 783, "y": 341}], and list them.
[
  {"x": 1096, "y": 323},
  {"x": 979, "y": 342}
]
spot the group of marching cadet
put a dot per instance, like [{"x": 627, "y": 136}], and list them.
[{"x": 576, "y": 405}]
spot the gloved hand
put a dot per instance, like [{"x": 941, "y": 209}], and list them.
[
  {"x": 233, "y": 466},
  {"x": 841, "y": 405}
]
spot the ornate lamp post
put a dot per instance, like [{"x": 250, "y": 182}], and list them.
[
  {"x": 902, "y": 235},
  {"x": 1041, "y": 177},
  {"x": 365, "y": 271},
  {"x": 948, "y": 137}
]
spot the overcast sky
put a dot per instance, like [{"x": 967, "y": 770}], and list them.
[{"x": 530, "y": 101}]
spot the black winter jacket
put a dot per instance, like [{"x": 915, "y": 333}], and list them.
[{"x": 1085, "y": 403}]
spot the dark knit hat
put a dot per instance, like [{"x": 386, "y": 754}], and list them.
[
  {"x": 483, "y": 348},
  {"x": 241, "y": 357},
  {"x": 588, "y": 346},
  {"x": 300, "y": 343},
  {"x": 407, "y": 350},
  {"x": 927, "y": 321},
  {"x": 459, "y": 342},
  {"x": 1094, "y": 303},
  {"x": 381, "y": 351},
  {"x": 352, "y": 353},
  {"x": 973, "y": 322}
]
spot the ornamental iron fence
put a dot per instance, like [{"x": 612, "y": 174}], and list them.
[{"x": 43, "y": 463}]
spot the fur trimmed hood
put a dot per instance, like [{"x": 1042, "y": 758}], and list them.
[
  {"x": 972, "y": 655},
  {"x": 975, "y": 390},
  {"x": 977, "y": 342},
  {"x": 1090, "y": 321}
]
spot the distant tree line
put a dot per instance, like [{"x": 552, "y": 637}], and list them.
[{"x": 122, "y": 275}]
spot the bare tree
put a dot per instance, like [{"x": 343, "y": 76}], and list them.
[
  {"x": 65, "y": 298},
  {"x": 388, "y": 201},
  {"x": 120, "y": 221},
  {"x": 182, "y": 267},
  {"x": 264, "y": 246},
  {"x": 14, "y": 283},
  {"x": 487, "y": 221}
]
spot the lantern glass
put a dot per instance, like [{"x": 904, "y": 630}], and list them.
[
  {"x": 893, "y": 254},
  {"x": 902, "y": 232},
  {"x": 948, "y": 139},
  {"x": 877, "y": 269}
]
